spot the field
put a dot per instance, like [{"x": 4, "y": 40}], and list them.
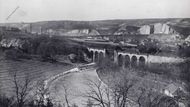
[
  {"x": 76, "y": 86},
  {"x": 35, "y": 69}
]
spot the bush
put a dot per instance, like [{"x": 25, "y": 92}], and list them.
[
  {"x": 6, "y": 102},
  {"x": 47, "y": 51},
  {"x": 15, "y": 54},
  {"x": 184, "y": 50},
  {"x": 149, "y": 46}
]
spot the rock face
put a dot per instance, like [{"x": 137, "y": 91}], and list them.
[
  {"x": 146, "y": 29},
  {"x": 74, "y": 32},
  {"x": 156, "y": 28},
  {"x": 82, "y": 32},
  {"x": 125, "y": 29},
  {"x": 165, "y": 37},
  {"x": 160, "y": 28},
  {"x": 188, "y": 39},
  {"x": 16, "y": 43}
]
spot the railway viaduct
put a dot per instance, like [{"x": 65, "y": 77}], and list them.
[{"x": 125, "y": 59}]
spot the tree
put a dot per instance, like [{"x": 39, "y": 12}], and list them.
[
  {"x": 13, "y": 54},
  {"x": 41, "y": 93},
  {"x": 66, "y": 94},
  {"x": 149, "y": 46},
  {"x": 140, "y": 97},
  {"x": 6, "y": 101},
  {"x": 74, "y": 105},
  {"x": 22, "y": 87},
  {"x": 121, "y": 88},
  {"x": 65, "y": 86},
  {"x": 119, "y": 80},
  {"x": 166, "y": 101},
  {"x": 149, "y": 98},
  {"x": 49, "y": 103},
  {"x": 184, "y": 76},
  {"x": 89, "y": 103},
  {"x": 47, "y": 51},
  {"x": 98, "y": 94},
  {"x": 184, "y": 49}
]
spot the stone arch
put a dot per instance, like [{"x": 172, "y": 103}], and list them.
[
  {"x": 92, "y": 55},
  {"x": 120, "y": 60},
  {"x": 107, "y": 52},
  {"x": 127, "y": 60},
  {"x": 101, "y": 56},
  {"x": 142, "y": 61},
  {"x": 118, "y": 48},
  {"x": 134, "y": 61},
  {"x": 96, "y": 56}
]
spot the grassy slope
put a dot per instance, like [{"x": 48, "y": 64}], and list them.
[
  {"x": 76, "y": 86},
  {"x": 35, "y": 69},
  {"x": 110, "y": 25}
]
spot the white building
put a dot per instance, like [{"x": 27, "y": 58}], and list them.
[{"x": 170, "y": 90}]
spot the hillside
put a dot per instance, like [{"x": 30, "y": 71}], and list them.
[{"x": 103, "y": 27}]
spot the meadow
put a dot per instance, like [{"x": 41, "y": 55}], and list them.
[{"x": 36, "y": 70}]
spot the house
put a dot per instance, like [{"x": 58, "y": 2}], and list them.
[
  {"x": 171, "y": 90},
  {"x": 187, "y": 39}
]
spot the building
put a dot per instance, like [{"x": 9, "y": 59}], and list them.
[{"x": 171, "y": 90}]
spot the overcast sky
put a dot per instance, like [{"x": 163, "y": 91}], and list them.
[{"x": 39, "y": 10}]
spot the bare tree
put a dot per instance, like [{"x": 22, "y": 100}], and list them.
[
  {"x": 89, "y": 103},
  {"x": 6, "y": 101},
  {"x": 98, "y": 93},
  {"x": 22, "y": 87},
  {"x": 121, "y": 91},
  {"x": 66, "y": 95},
  {"x": 64, "y": 85},
  {"x": 148, "y": 98},
  {"x": 122, "y": 84},
  {"x": 41, "y": 92},
  {"x": 140, "y": 97}
]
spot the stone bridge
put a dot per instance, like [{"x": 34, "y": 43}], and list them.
[
  {"x": 125, "y": 59},
  {"x": 121, "y": 58}
]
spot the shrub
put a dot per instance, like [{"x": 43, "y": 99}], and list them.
[
  {"x": 15, "y": 54},
  {"x": 149, "y": 46}
]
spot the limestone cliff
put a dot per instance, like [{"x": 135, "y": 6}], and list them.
[
  {"x": 12, "y": 42},
  {"x": 187, "y": 39},
  {"x": 170, "y": 38},
  {"x": 146, "y": 29},
  {"x": 126, "y": 29},
  {"x": 74, "y": 32},
  {"x": 163, "y": 28},
  {"x": 82, "y": 32}
]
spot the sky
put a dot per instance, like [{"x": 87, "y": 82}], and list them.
[{"x": 87, "y": 10}]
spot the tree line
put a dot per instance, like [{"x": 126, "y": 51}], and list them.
[{"x": 46, "y": 48}]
